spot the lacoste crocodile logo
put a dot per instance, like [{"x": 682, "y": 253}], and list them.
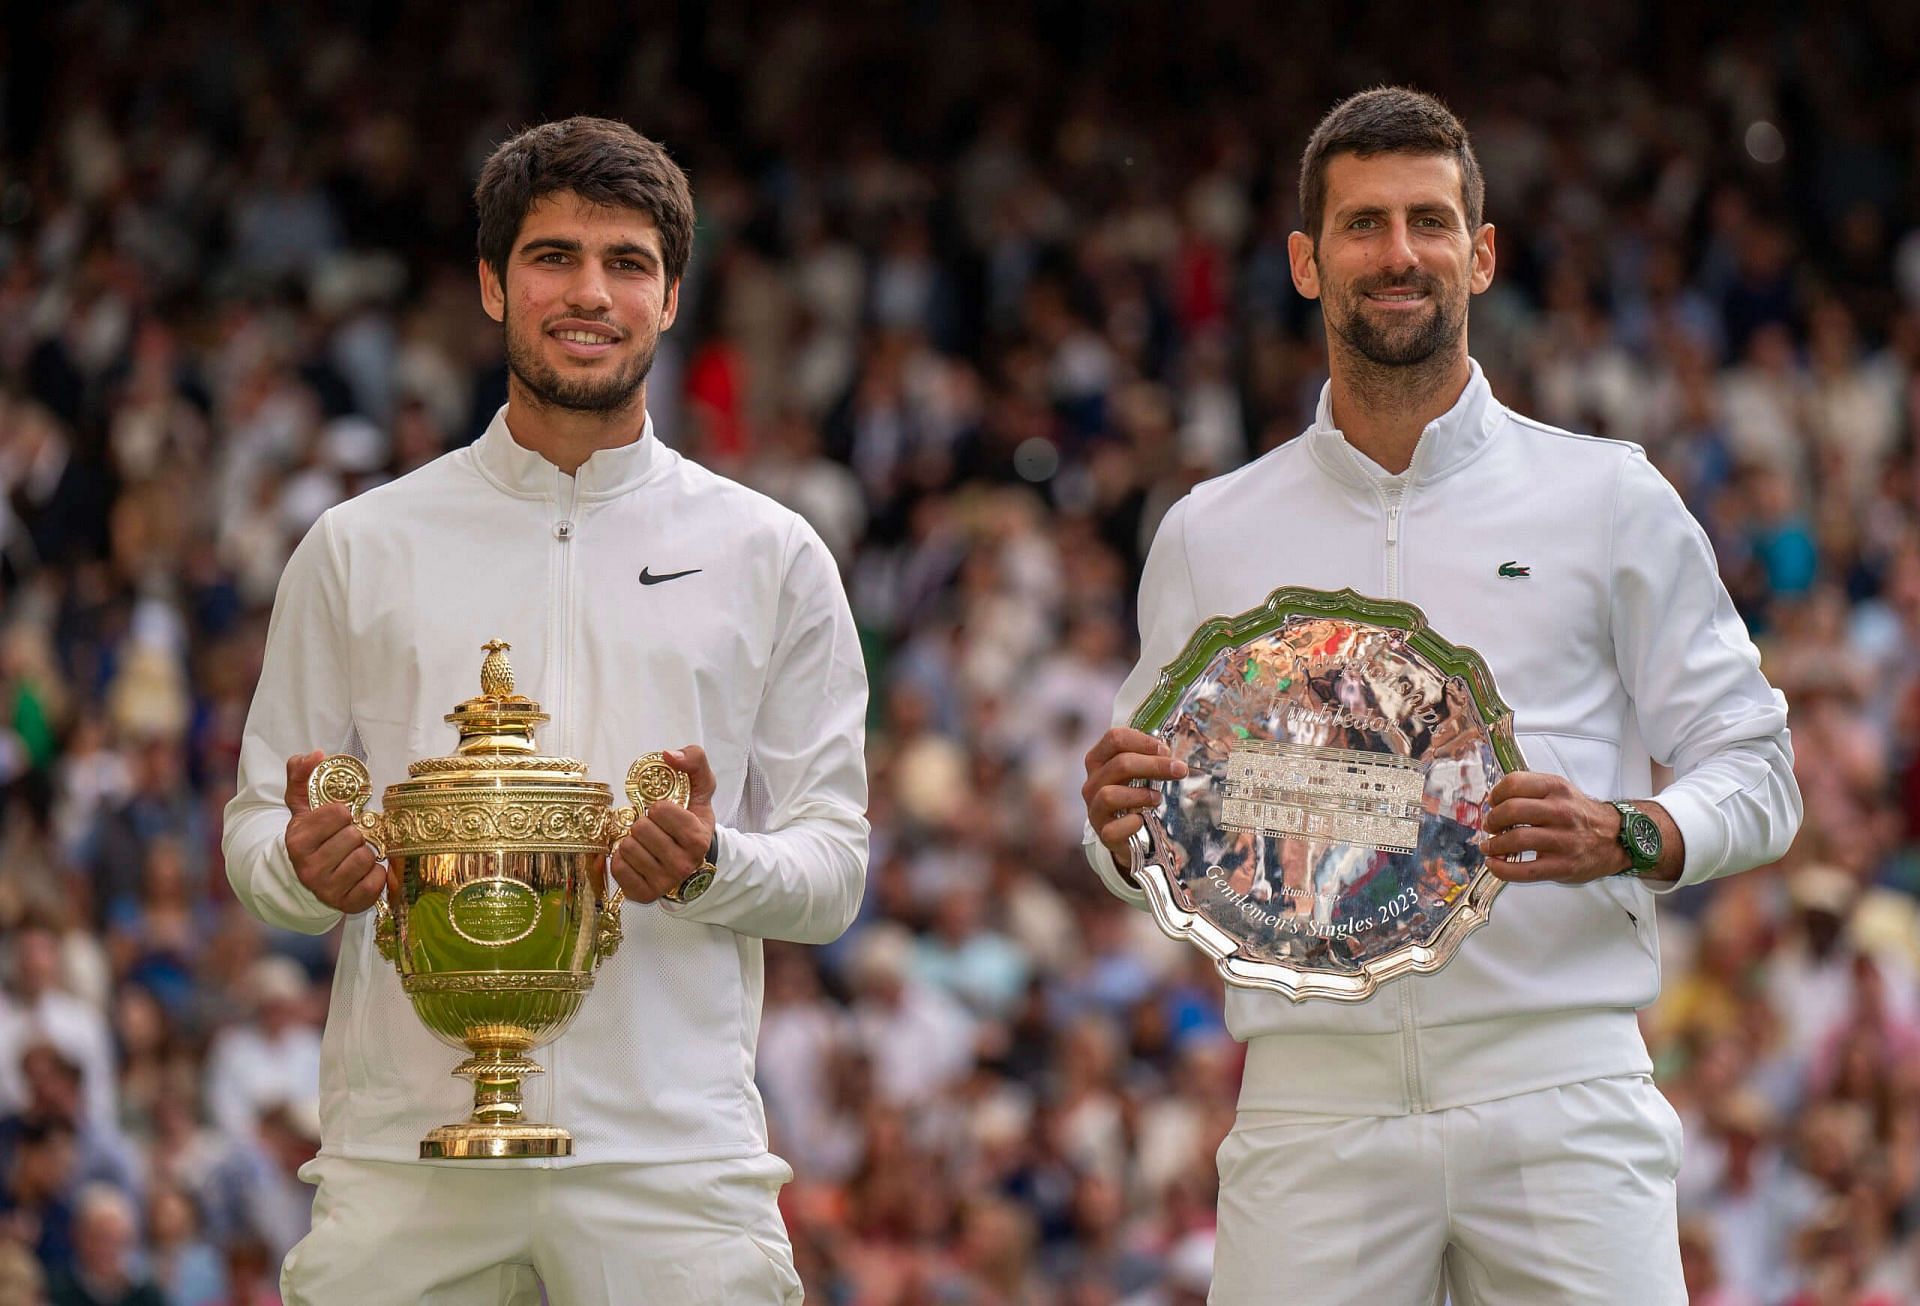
[
  {"x": 648, "y": 578},
  {"x": 1514, "y": 571}
]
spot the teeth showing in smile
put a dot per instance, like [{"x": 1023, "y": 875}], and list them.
[{"x": 584, "y": 337}]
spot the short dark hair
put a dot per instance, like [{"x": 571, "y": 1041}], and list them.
[
  {"x": 603, "y": 162},
  {"x": 1386, "y": 120}
]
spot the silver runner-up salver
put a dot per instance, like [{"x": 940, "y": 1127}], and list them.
[{"x": 1327, "y": 835}]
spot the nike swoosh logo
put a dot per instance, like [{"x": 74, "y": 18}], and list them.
[{"x": 648, "y": 578}]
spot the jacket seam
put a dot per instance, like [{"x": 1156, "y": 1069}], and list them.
[
  {"x": 340, "y": 574},
  {"x": 1564, "y": 434},
  {"x": 1613, "y": 543},
  {"x": 1186, "y": 565},
  {"x": 1571, "y": 734}
]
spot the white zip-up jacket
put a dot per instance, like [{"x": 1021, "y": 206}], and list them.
[
  {"x": 376, "y": 634},
  {"x": 1616, "y": 648}
]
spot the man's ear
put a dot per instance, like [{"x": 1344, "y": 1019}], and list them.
[
  {"x": 1306, "y": 273},
  {"x": 493, "y": 295},
  {"x": 1483, "y": 259},
  {"x": 670, "y": 310}
]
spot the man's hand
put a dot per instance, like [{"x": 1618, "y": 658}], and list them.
[
  {"x": 668, "y": 842},
  {"x": 1113, "y": 802},
  {"x": 1574, "y": 838},
  {"x": 330, "y": 854}
]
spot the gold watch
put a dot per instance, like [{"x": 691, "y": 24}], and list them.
[{"x": 700, "y": 880}]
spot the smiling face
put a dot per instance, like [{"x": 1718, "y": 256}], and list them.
[
  {"x": 1395, "y": 262},
  {"x": 585, "y": 300}
]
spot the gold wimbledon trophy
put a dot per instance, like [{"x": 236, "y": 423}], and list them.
[{"x": 499, "y": 904}]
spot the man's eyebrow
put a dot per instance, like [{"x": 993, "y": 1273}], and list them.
[
  {"x": 1381, "y": 210},
  {"x": 566, "y": 244}
]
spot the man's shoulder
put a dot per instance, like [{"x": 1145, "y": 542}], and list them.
[
  {"x": 742, "y": 507},
  {"x": 427, "y": 484},
  {"x": 1545, "y": 440},
  {"x": 1255, "y": 479}
]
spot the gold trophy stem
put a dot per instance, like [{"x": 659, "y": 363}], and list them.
[{"x": 494, "y": 1130}]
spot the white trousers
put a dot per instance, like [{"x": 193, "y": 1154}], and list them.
[
  {"x": 697, "y": 1233},
  {"x": 1561, "y": 1196}
]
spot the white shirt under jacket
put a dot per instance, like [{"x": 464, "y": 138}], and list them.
[
  {"x": 1620, "y": 647},
  {"x": 376, "y": 634}
]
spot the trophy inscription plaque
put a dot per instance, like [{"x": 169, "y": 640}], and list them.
[{"x": 499, "y": 906}]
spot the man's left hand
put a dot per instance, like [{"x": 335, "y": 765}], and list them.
[
  {"x": 1573, "y": 838},
  {"x": 668, "y": 842}
]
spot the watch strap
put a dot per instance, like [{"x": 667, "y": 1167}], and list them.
[{"x": 1637, "y": 862}]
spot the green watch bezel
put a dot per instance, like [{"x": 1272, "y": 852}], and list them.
[{"x": 1638, "y": 832}]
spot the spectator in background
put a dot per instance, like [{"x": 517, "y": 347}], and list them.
[
  {"x": 36, "y": 1008},
  {"x": 105, "y": 1255},
  {"x": 273, "y": 1058}
]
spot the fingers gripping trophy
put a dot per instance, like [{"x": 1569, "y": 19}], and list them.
[{"x": 495, "y": 905}]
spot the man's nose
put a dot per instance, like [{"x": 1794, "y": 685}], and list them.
[
  {"x": 587, "y": 289},
  {"x": 1397, "y": 255}
]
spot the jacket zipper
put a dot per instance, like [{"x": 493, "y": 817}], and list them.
[
  {"x": 563, "y": 531},
  {"x": 562, "y": 663},
  {"x": 1395, "y": 497}
]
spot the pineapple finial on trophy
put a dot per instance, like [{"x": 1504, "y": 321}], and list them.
[{"x": 496, "y": 673}]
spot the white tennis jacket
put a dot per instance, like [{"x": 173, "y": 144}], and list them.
[
  {"x": 741, "y": 642},
  {"x": 1617, "y": 647}
]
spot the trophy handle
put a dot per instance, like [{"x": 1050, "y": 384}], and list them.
[
  {"x": 649, "y": 780},
  {"x": 386, "y": 931},
  {"x": 343, "y": 778},
  {"x": 608, "y": 927}
]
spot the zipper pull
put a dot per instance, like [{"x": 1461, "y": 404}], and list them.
[
  {"x": 1393, "y": 522},
  {"x": 563, "y": 530}
]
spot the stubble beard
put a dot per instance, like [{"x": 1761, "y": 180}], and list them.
[
  {"x": 1402, "y": 362},
  {"x": 589, "y": 393}
]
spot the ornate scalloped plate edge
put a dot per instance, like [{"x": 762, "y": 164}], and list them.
[{"x": 1220, "y": 633}]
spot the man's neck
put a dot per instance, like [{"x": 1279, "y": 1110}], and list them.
[
  {"x": 565, "y": 437},
  {"x": 1382, "y": 411}
]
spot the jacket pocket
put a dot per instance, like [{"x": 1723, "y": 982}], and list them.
[{"x": 1593, "y": 765}]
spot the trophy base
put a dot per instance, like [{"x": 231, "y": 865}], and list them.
[{"x": 471, "y": 1141}]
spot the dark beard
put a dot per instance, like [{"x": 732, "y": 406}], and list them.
[
  {"x": 1413, "y": 343},
  {"x": 587, "y": 394}
]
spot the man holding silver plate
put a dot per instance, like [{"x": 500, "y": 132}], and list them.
[
  {"x": 646, "y": 601},
  {"x": 1388, "y": 756}
]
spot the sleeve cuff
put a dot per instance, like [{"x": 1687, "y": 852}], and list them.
[
  {"x": 1118, "y": 882},
  {"x": 287, "y": 902},
  {"x": 1703, "y": 832}
]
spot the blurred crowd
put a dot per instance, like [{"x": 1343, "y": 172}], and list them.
[{"x": 980, "y": 291}]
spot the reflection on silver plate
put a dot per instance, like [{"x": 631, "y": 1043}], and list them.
[{"x": 1327, "y": 835}]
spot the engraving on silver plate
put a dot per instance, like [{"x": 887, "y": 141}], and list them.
[
  {"x": 1276, "y": 788},
  {"x": 1327, "y": 834}
]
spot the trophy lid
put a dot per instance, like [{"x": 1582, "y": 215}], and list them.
[{"x": 496, "y": 727}]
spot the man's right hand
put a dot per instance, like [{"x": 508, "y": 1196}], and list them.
[
  {"x": 1113, "y": 801},
  {"x": 330, "y": 854}
]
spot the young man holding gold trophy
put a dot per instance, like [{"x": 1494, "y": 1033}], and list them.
[
  {"x": 645, "y": 601},
  {"x": 1326, "y": 794}
]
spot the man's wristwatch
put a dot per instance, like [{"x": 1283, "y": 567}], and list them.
[
  {"x": 702, "y": 878},
  {"x": 1640, "y": 836}
]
